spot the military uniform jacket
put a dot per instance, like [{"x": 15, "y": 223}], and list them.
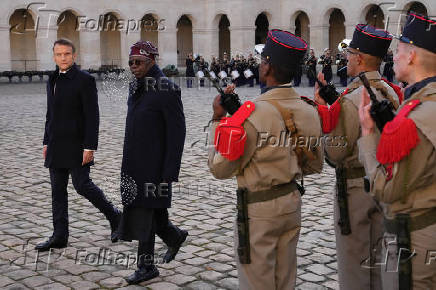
[
  {"x": 267, "y": 161},
  {"x": 341, "y": 144},
  {"x": 408, "y": 186}
]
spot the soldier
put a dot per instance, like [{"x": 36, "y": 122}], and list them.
[
  {"x": 311, "y": 68},
  {"x": 358, "y": 219},
  {"x": 269, "y": 197},
  {"x": 402, "y": 167},
  {"x": 388, "y": 71},
  {"x": 326, "y": 61},
  {"x": 341, "y": 61}
]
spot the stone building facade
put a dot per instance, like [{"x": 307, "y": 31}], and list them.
[{"x": 103, "y": 30}]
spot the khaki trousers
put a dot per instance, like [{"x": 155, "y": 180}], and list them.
[
  {"x": 274, "y": 228},
  {"x": 423, "y": 245},
  {"x": 358, "y": 252}
]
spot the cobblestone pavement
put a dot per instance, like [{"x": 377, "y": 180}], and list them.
[{"x": 203, "y": 205}]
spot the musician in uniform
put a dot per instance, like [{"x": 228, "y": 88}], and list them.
[
  {"x": 311, "y": 68},
  {"x": 326, "y": 61},
  {"x": 341, "y": 72},
  {"x": 401, "y": 163},
  {"x": 388, "y": 70},
  {"x": 189, "y": 70},
  {"x": 357, "y": 218},
  {"x": 269, "y": 197}
]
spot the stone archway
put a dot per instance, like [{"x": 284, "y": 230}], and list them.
[
  {"x": 110, "y": 42},
  {"x": 375, "y": 17},
  {"x": 67, "y": 28},
  {"x": 224, "y": 36},
  {"x": 22, "y": 41},
  {"x": 149, "y": 29},
  {"x": 262, "y": 26},
  {"x": 302, "y": 26},
  {"x": 416, "y": 7},
  {"x": 336, "y": 30},
  {"x": 184, "y": 39}
]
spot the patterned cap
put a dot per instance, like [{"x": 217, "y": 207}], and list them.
[{"x": 145, "y": 49}]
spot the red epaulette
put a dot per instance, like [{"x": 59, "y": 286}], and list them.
[
  {"x": 230, "y": 135},
  {"x": 399, "y": 136},
  {"x": 330, "y": 115},
  {"x": 396, "y": 89}
]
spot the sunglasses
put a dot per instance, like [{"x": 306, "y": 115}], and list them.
[{"x": 136, "y": 62}]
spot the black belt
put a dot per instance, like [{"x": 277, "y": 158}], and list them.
[
  {"x": 416, "y": 223},
  {"x": 272, "y": 193}
]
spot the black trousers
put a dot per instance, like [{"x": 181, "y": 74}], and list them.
[
  {"x": 161, "y": 226},
  {"x": 84, "y": 186}
]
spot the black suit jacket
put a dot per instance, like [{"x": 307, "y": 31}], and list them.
[{"x": 72, "y": 119}]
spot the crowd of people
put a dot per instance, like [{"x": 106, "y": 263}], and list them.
[{"x": 244, "y": 70}]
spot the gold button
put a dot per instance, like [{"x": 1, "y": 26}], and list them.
[{"x": 248, "y": 106}]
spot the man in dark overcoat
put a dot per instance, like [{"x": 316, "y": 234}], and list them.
[
  {"x": 153, "y": 147},
  {"x": 70, "y": 139}
]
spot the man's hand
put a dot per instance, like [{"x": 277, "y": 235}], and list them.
[
  {"x": 366, "y": 121},
  {"x": 88, "y": 156},
  {"x": 44, "y": 151},
  {"x": 318, "y": 98},
  {"x": 218, "y": 110}
]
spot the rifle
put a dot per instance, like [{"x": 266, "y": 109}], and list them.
[
  {"x": 230, "y": 102},
  {"x": 381, "y": 112},
  {"x": 327, "y": 92}
]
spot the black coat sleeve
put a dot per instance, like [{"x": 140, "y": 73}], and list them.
[
  {"x": 175, "y": 128},
  {"x": 47, "y": 117},
  {"x": 90, "y": 113}
]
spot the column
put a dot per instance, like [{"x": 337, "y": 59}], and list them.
[
  {"x": 5, "y": 49},
  {"x": 167, "y": 39},
  {"x": 349, "y": 30},
  {"x": 242, "y": 39},
  {"x": 45, "y": 38},
  {"x": 90, "y": 49},
  {"x": 127, "y": 40},
  {"x": 205, "y": 42},
  {"x": 319, "y": 38}
]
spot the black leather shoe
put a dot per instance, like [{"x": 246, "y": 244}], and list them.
[
  {"x": 143, "y": 274},
  {"x": 172, "y": 251},
  {"x": 52, "y": 242},
  {"x": 114, "y": 226}
]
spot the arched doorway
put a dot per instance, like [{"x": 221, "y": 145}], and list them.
[
  {"x": 184, "y": 39},
  {"x": 336, "y": 30},
  {"x": 22, "y": 41},
  {"x": 375, "y": 16},
  {"x": 224, "y": 36},
  {"x": 149, "y": 29},
  {"x": 416, "y": 7},
  {"x": 302, "y": 26},
  {"x": 67, "y": 28},
  {"x": 262, "y": 25},
  {"x": 110, "y": 42}
]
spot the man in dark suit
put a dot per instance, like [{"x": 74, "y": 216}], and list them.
[
  {"x": 70, "y": 139},
  {"x": 153, "y": 147}
]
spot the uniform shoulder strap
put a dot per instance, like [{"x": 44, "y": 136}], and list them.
[
  {"x": 302, "y": 152},
  {"x": 377, "y": 84}
]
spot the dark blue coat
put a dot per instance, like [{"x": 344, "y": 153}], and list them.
[
  {"x": 154, "y": 139},
  {"x": 72, "y": 118}
]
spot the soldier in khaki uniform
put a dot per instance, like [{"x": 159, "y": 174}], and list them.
[
  {"x": 358, "y": 219},
  {"x": 268, "y": 169},
  {"x": 401, "y": 163}
]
